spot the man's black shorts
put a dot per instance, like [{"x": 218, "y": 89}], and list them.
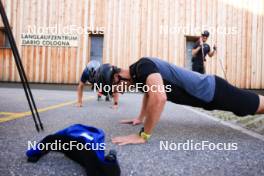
[{"x": 227, "y": 98}]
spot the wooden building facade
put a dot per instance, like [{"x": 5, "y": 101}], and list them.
[{"x": 131, "y": 29}]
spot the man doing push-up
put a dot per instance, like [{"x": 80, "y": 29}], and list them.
[{"x": 186, "y": 87}]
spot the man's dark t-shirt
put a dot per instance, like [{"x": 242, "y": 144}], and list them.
[
  {"x": 193, "y": 84},
  {"x": 198, "y": 59},
  {"x": 194, "y": 89},
  {"x": 86, "y": 76}
]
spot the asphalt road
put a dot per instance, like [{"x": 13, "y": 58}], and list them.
[{"x": 177, "y": 125}]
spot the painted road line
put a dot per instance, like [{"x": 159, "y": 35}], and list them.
[
  {"x": 8, "y": 113},
  {"x": 24, "y": 114}
]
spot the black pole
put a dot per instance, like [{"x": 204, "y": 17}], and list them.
[{"x": 21, "y": 70}]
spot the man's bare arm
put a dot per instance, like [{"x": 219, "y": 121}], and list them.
[
  {"x": 116, "y": 97},
  {"x": 116, "y": 100},
  {"x": 143, "y": 108},
  {"x": 155, "y": 104},
  {"x": 195, "y": 51},
  {"x": 80, "y": 93},
  {"x": 211, "y": 54}
]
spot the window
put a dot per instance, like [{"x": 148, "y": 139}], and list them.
[{"x": 4, "y": 42}]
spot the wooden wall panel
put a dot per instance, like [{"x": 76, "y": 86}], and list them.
[
  {"x": 50, "y": 64},
  {"x": 136, "y": 28}
]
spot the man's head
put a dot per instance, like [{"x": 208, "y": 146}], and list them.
[
  {"x": 109, "y": 76},
  {"x": 205, "y": 35}
]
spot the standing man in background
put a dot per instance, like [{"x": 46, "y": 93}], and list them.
[{"x": 200, "y": 50}]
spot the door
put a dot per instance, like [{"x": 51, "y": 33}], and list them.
[
  {"x": 190, "y": 42},
  {"x": 96, "y": 52}
]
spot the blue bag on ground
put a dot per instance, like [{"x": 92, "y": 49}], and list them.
[{"x": 87, "y": 149}]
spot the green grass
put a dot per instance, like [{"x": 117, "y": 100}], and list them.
[{"x": 247, "y": 122}]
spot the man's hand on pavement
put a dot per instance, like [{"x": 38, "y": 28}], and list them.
[
  {"x": 130, "y": 139},
  {"x": 79, "y": 105},
  {"x": 133, "y": 122},
  {"x": 115, "y": 107}
]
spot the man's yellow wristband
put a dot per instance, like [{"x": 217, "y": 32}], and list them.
[{"x": 145, "y": 136}]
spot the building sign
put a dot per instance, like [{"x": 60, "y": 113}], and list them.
[{"x": 49, "y": 40}]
